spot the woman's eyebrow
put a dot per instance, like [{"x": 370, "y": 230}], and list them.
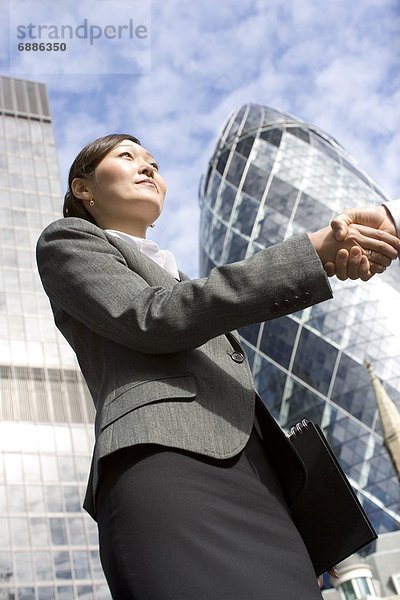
[{"x": 133, "y": 148}]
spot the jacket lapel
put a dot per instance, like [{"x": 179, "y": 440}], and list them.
[
  {"x": 144, "y": 266},
  {"x": 153, "y": 274}
]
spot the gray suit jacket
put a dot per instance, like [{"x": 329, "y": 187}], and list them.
[{"x": 154, "y": 351}]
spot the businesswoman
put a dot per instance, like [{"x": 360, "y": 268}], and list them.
[{"x": 190, "y": 484}]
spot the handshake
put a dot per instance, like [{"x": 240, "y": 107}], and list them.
[{"x": 358, "y": 244}]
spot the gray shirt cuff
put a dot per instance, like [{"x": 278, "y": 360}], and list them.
[{"x": 394, "y": 208}]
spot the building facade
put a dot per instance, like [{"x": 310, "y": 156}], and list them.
[
  {"x": 272, "y": 176},
  {"x": 374, "y": 577},
  {"x": 48, "y": 545}
]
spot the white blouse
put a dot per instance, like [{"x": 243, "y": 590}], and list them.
[{"x": 164, "y": 258}]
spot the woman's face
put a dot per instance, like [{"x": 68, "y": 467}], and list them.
[{"x": 127, "y": 190}]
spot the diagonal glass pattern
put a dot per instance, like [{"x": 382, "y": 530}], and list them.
[{"x": 286, "y": 177}]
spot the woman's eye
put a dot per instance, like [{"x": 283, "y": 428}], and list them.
[
  {"x": 126, "y": 153},
  {"x": 154, "y": 165}
]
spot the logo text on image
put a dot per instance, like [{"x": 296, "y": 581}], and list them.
[{"x": 83, "y": 31}]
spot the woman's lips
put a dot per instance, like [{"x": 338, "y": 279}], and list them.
[{"x": 147, "y": 182}]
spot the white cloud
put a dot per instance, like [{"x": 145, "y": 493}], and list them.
[{"x": 336, "y": 67}]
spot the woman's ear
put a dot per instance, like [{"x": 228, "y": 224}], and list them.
[{"x": 80, "y": 189}]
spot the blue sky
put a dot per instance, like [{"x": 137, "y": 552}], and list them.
[{"x": 334, "y": 64}]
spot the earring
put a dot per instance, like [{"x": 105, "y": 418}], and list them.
[{"x": 91, "y": 202}]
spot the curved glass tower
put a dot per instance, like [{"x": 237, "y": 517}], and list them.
[{"x": 272, "y": 176}]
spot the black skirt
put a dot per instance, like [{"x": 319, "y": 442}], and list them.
[{"x": 174, "y": 525}]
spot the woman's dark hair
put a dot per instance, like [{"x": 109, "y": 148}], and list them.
[{"x": 84, "y": 166}]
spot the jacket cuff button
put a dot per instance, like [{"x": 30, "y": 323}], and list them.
[{"x": 237, "y": 357}]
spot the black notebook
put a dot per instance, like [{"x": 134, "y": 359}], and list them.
[{"x": 327, "y": 513}]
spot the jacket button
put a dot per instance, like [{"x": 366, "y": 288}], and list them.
[
  {"x": 275, "y": 307},
  {"x": 237, "y": 357}
]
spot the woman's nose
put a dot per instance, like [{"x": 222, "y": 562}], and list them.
[{"x": 146, "y": 168}]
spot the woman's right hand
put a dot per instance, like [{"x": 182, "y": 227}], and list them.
[{"x": 360, "y": 241}]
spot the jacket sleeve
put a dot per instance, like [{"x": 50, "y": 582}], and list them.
[{"x": 89, "y": 279}]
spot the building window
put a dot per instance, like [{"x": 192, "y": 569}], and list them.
[
  {"x": 357, "y": 589},
  {"x": 348, "y": 591}
]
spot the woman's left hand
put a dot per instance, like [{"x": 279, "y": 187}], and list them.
[{"x": 333, "y": 572}]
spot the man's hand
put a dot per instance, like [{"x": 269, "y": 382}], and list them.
[
  {"x": 377, "y": 217},
  {"x": 349, "y": 264},
  {"x": 378, "y": 246}
]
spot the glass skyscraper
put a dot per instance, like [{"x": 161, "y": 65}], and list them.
[
  {"x": 272, "y": 176},
  {"x": 48, "y": 545}
]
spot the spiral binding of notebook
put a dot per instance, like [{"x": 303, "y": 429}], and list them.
[
  {"x": 299, "y": 428},
  {"x": 327, "y": 513}
]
